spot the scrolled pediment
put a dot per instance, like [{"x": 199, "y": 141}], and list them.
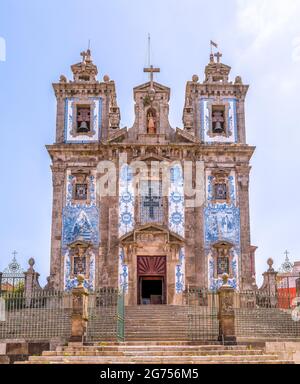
[{"x": 151, "y": 233}]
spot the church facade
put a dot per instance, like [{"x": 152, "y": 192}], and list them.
[{"x": 151, "y": 209}]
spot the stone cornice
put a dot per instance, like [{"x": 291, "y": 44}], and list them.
[
  {"x": 174, "y": 151},
  {"x": 92, "y": 88},
  {"x": 210, "y": 89}
]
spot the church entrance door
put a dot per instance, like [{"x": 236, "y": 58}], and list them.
[{"x": 151, "y": 282}]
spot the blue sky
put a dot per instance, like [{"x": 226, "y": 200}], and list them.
[{"x": 260, "y": 39}]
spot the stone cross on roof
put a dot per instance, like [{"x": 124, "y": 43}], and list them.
[
  {"x": 218, "y": 55},
  {"x": 151, "y": 70}
]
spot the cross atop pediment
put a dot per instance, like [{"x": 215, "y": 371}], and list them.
[{"x": 151, "y": 70}]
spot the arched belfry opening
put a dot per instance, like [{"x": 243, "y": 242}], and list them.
[{"x": 151, "y": 121}]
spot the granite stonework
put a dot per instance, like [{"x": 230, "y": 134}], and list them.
[{"x": 103, "y": 237}]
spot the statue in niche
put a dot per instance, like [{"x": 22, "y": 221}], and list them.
[{"x": 151, "y": 123}]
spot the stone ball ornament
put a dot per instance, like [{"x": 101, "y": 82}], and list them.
[
  {"x": 31, "y": 262},
  {"x": 225, "y": 278},
  {"x": 80, "y": 279},
  {"x": 195, "y": 78}
]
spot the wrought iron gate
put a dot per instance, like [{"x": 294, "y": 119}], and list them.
[
  {"x": 203, "y": 323},
  {"x": 106, "y": 315}
]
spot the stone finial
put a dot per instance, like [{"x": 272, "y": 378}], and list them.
[
  {"x": 225, "y": 278},
  {"x": 31, "y": 263},
  {"x": 238, "y": 80},
  {"x": 80, "y": 279},
  {"x": 216, "y": 72},
  {"x": 270, "y": 263},
  {"x": 85, "y": 71},
  {"x": 195, "y": 78},
  {"x": 62, "y": 79},
  {"x": 106, "y": 78}
]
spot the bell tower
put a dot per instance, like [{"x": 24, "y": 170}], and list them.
[
  {"x": 87, "y": 110},
  {"x": 214, "y": 114},
  {"x": 214, "y": 109}
]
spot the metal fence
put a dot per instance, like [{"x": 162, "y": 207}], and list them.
[
  {"x": 264, "y": 299},
  {"x": 42, "y": 315},
  {"x": 203, "y": 322},
  {"x": 106, "y": 315},
  {"x": 265, "y": 315}
]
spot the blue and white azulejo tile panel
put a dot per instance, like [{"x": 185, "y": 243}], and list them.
[
  {"x": 80, "y": 222},
  {"x": 205, "y": 110},
  {"x": 180, "y": 272},
  {"x": 123, "y": 272},
  {"x": 177, "y": 201},
  {"x": 69, "y": 282},
  {"x": 222, "y": 224},
  {"x": 126, "y": 201}
]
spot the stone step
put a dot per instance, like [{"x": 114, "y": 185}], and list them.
[
  {"x": 157, "y": 353},
  {"x": 152, "y": 346},
  {"x": 171, "y": 359},
  {"x": 254, "y": 362}
]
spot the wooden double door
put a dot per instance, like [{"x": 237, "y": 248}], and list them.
[{"x": 151, "y": 280}]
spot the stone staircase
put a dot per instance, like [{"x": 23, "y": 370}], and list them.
[
  {"x": 167, "y": 323},
  {"x": 157, "y": 335},
  {"x": 155, "y": 353}
]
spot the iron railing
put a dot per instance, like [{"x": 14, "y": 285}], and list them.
[
  {"x": 203, "y": 322},
  {"x": 266, "y": 315},
  {"x": 106, "y": 315},
  {"x": 42, "y": 315}
]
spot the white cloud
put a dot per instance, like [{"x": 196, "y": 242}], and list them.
[
  {"x": 2, "y": 49},
  {"x": 264, "y": 20}
]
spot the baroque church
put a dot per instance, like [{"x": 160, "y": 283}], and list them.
[{"x": 154, "y": 241}]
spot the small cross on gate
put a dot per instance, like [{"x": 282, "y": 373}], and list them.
[
  {"x": 287, "y": 254},
  {"x": 218, "y": 55},
  {"x": 151, "y": 70},
  {"x": 15, "y": 254}
]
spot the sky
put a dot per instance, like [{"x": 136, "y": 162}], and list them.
[{"x": 39, "y": 40}]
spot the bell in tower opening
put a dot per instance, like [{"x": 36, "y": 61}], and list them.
[
  {"x": 218, "y": 120},
  {"x": 83, "y": 119},
  {"x": 151, "y": 122}
]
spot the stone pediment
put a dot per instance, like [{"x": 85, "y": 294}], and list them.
[
  {"x": 152, "y": 157},
  {"x": 145, "y": 87},
  {"x": 150, "y": 233},
  {"x": 79, "y": 243}
]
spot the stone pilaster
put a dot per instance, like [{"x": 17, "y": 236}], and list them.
[
  {"x": 246, "y": 278},
  {"x": 56, "y": 271},
  {"x": 79, "y": 311},
  {"x": 226, "y": 313}
]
